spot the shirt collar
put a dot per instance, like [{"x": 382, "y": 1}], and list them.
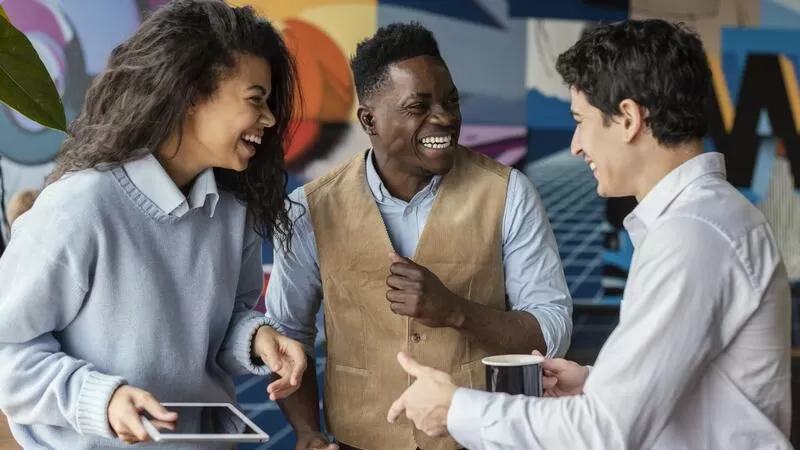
[
  {"x": 668, "y": 188},
  {"x": 378, "y": 189},
  {"x": 152, "y": 180}
]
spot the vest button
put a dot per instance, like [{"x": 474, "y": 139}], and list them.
[{"x": 415, "y": 337}]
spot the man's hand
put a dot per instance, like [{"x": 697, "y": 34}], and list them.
[
  {"x": 283, "y": 356},
  {"x": 124, "y": 410},
  {"x": 416, "y": 292},
  {"x": 314, "y": 441},
  {"x": 561, "y": 377},
  {"x": 427, "y": 401}
]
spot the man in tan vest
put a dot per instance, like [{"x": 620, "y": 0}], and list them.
[{"x": 417, "y": 244}]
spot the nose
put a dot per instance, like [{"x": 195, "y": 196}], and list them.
[
  {"x": 575, "y": 146},
  {"x": 267, "y": 119},
  {"x": 442, "y": 117}
]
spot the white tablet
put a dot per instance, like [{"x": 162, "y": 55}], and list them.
[{"x": 207, "y": 422}]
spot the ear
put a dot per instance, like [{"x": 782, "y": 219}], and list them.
[
  {"x": 366, "y": 119},
  {"x": 633, "y": 116}
]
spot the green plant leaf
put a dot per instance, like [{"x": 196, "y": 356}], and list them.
[{"x": 25, "y": 84}]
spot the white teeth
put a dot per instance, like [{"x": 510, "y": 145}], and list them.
[
  {"x": 437, "y": 142},
  {"x": 592, "y": 166},
  {"x": 252, "y": 138}
]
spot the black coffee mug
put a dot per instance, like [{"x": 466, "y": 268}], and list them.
[{"x": 514, "y": 374}]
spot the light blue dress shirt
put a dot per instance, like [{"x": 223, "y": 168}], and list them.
[{"x": 534, "y": 281}]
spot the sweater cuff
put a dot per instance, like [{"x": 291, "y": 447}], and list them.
[
  {"x": 240, "y": 346},
  {"x": 93, "y": 400}
]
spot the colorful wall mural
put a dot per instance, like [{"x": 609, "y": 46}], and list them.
[{"x": 515, "y": 108}]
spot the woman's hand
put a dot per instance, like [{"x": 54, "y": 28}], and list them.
[
  {"x": 283, "y": 356},
  {"x": 124, "y": 410}
]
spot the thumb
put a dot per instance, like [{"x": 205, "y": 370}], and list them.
[
  {"x": 396, "y": 258},
  {"x": 555, "y": 365},
  {"x": 411, "y": 366},
  {"x": 536, "y": 353}
]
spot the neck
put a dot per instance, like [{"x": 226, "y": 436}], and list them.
[
  {"x": 661, "y": 161},
  {"x": 178, "y": 164},
  {"x": 399, "y": 183}
]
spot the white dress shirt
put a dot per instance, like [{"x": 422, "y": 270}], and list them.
[{"x": 700, "y": 359}]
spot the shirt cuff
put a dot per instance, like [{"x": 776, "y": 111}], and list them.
[{"x": 465, "y": 419}]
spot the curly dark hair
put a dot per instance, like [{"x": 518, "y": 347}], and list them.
[
  {"x": 177, "y": 56},
  {"x": 660, "y": 65},
  {"x": 393, "y": 43}
]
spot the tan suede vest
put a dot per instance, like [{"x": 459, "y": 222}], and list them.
[{"x": 461, "y": 243}]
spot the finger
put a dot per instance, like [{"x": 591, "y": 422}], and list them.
[
  {"x": 133, "y": 424},
  {"x": 396, "y": 409},
  {"x": 555, "y": 365},
  {"x": 299, "y": 363},
  {"x": 396, "y": 258},
  {"x": 411, "y": 366},
  {"x": 277, "y": 387},
  {"x": 163, "y": 425},
  {"x": 127, "y": 438},
  {"x": 147, "y": 402},
  {"x": 406, "y": 271},
  {"x": 403, "y": 283},
  {"x": 549, "y": 382},
  {"x": 401, "y": 309},
  {"x": 404, "y": 297},
  {"x": 536, "y": 353}
]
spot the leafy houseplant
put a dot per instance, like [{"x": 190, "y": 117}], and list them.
[{"x": 25, "y": 84}]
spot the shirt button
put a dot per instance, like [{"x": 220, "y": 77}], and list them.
[{"x": 415, "y": 337}]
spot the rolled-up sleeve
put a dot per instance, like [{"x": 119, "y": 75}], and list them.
[
  {"x": 294, "y": 292},
  {"x": 535, "y": 280}
]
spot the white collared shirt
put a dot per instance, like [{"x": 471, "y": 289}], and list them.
[
  {"x": 150, "y": 177},
  {"x": 700, "y": 359}
]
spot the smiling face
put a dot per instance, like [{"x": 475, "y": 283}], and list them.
[
  {"x": 414, "y": 120},
  {"x": 221, "y": 130},
  {"x": 606, "y": 147}
]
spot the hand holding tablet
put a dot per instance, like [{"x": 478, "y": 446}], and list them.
[{"x": 123, "y": 413}]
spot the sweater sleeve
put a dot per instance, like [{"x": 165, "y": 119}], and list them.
[
  {"x": 41, "y": 293},
  {"x": 235, "y": 357}
]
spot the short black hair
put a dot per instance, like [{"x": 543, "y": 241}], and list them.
[
  {"x": 393, "y": 43},
  {"x": 660, "y": 65}
]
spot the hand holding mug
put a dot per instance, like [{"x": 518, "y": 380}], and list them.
[{"x": 562, "y": 377}]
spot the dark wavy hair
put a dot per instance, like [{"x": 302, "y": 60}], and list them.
[
  {"x": 176, "y": 57},
  {"x": 660, "y": 65},
  {"x": 392, "y": 43}
]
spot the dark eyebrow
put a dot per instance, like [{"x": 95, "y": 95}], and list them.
[{"x": 424, "y": 95}]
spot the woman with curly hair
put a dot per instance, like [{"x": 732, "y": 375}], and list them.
[{"x": 132, "y": 279}]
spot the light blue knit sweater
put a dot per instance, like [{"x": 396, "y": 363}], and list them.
[{"x": 99, "y": 286}]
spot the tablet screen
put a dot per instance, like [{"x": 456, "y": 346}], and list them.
[{"x": 207, "y": 420}]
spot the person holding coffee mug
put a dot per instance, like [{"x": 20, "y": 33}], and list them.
[{"x": 700, "y": 358}]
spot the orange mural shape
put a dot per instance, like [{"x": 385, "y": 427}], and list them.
[{"x": 325, "y": 81}]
